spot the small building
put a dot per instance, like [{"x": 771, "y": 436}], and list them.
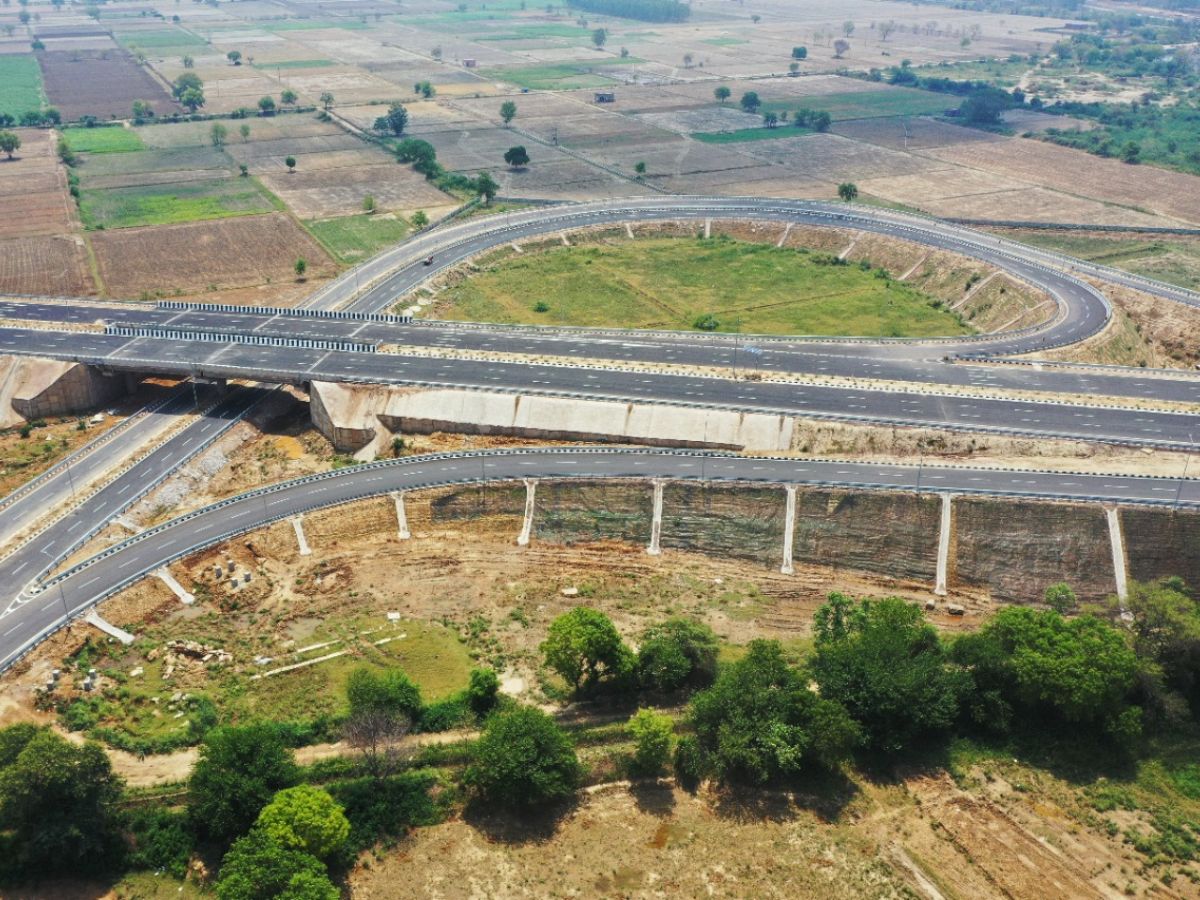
[
  {"x": 469, "y": 62},
  {"x": 606, "y": 96}
]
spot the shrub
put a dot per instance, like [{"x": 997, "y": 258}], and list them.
[
  {"x": 161, "y": 840},
  {"x": 482, "y": 691},
  {"x": 676, "y": 653},
  {"x": 523, "y": 759},
  {"x": 652, "y": 735}
]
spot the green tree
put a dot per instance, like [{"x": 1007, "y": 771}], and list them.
[
  {"x": 639, "y": 167},
  {"x": 770, "y": 119},
  {"x": 486, "y": 187},
  {"x": 266, "y": 105},
  {"x": 395, "y": 121},
  {"x": 599, "y": 37},
  {"x": 9, "y": 142},
  {"x": 985, "y": 106},
  {"x": 186, "y": 81},
  {"x": 760, "y": 721},
  {"x": 653, "y": 734},
  {"x": 516, "y": 156},
  {"x": 508, "y": 111},
  {"x": 583, "y": 646},
  {"x": 192, "y": 99},
  {"x": 217, "y": 134},
  {"x": 235, "y": 57},
  {"x": 368, "y": 204},
  {"x": 1131, "y": 153},
  {"x": 238, "y": 772},
  {"x": 142, "y": 110},
  {"x": 848, "y": 191},
  {"x": 326, "y": 99},
  {"x": 676, "y": 653},
  {"x": 1166, "y": 633},
  {"x": 1079, "y": 671},
  {"x": 523, "y": 760},
  {"x": 244, "y": 131},
  {"x": 390, "y": 691},
  {"x": 421, "y": 154},
  {"x": 1060, "y": 598},
  {"x": 419, "y": 219},
  {"x": 290, "y": 162},
  {"x": 750, "y": 101},
  {"x": 887, "y": 667},
  {"x": 257, "y": 867},
  {"x": 305, "y": 818},
  {"x": 721, "y": 93},
  {"x": 799, "y": 53},
  {"x": 188, "y": 62},
  {"x": 301, "y": 267},
  {"x": 288, "y": 98},
  {"x": 58, "y": 804},
  {"x": 483, "y": 689}
]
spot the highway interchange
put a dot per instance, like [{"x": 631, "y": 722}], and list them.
[{"x": 594, "y": 364}]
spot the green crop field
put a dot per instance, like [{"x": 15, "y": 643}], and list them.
[
  {"x": 20, "y": 85},
  {"x": 749, "y": 134},
  {"x": 166, "y": 204},
  {"x": 352, "y": 238},
  {"x": 312, "y": 24},
  {"x": 536, "y": 32},
  {"x": 869, "y": 104},
  {"x": 103, "y": 140},
  {"x": 295, "y": 64},
  {"x": 559, "y": 76},
  {"x": 724, "y": 41},
  {"x": 167, "y": 38},
  {"x": 674, "y": 283}
]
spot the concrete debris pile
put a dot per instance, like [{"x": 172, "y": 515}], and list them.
[{"x": 180, "y": 653}]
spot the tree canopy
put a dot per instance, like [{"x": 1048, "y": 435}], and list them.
[
  {"x": 58, "y": 802},
  {"x": 886, "y": 665},
  {"x": 395, "y": 120},
  {"x": 516, "y": 156},
  {"x": 583, "y": 646},
  {"x": 258, "y": 867},
  {"x": 238, "y": 772},
  {"x": 760, "y": 721},
  {"x": 305, "y": 818},
  {"x": 390, "y": 691},
  {"x": 523, "y": 759},
  {"x": 676, "y": 653}
]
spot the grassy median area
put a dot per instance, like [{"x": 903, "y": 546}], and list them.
[{"x": 710, "y": 285}]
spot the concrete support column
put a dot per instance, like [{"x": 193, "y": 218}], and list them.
[
  {"x": 1117, "y": 540},
  {"x": 789, "y": 531},
  {"x": 527, "y": 525},
  {"x": 401, "y": 518},
  {"x": 943, "y": 556},
  {"x": 298, "y": 525},
  {"x": 94, "y": 618},
  {"x": 164, "y": 575},
  {"x": 655, "y": 547},
  {"x": 708, "y": 228}
]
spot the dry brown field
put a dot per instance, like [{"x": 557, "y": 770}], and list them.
[
  {"x": 47, "y": 264},
  {"x": 33, "y": 189},
  {"x": 101, "y": 83},
  {"x": 1073, "y": 172},
  {"x": 199, "y": 256},
  {"x": 913, "y": 133}
]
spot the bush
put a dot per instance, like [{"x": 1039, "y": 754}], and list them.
[
  {"x": 445, "y": 714},
  {"x": 257, "y": 867},
  {"x": 390, "y": 691},
  {"x": 523, "y": 760},
  {"x": 161, "y": 840},
  {"x": 583, "y": 646},
  {"x": 652, "y": 735},
  {"x": 482, "y": 692},
  {"x": 676, "y": 653},
  {"x": 305, "y": 818},
  {"x": 689, "y": 763},
  {"x": 385, "y": 808}
]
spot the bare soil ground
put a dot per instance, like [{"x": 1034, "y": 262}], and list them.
[
  {"x": 45, "y": 265},
  {"x": 33, "y": 189},
  {"x": 227, "y": 253},
  {"x": 101, "y": 83}
]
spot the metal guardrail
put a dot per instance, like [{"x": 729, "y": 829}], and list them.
[
  {"x": 293, "y": 312},
  {"x": 241, "y": 337}
]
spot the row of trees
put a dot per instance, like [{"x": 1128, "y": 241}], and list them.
[{"x": 34, "y": 118}]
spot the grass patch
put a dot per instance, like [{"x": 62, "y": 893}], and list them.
[
  {"x": 559, "y": 76},
  {"x": 20, "y": 85},
  {"x": 167, "y": 38},
  {"x": 1170, "y": 258},
  {"x": 894, "y": 101},
  {"x": 172, "y": 203},
  {"x": 352, "y": 238},
  {"x": 139, "y": 710},
  {"x": 724, "y": 41},
  {"x": 748, "y": 134},
  {"x": 295, "y": 64},
  {"x": 535, "y": 32},
  {"x": 679, "y": 283},
  {"x": 103, "y": 140}
]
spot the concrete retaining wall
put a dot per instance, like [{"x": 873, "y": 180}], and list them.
[{"x": 33, "y": 388}]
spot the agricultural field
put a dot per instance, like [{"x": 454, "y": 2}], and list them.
[
  {"x": 683, "y": 284},
  {"x": 354, "y": 238},
  {"x": 103, "y": 140},
  {"x": 205, "y": 256},
  {"x": 33, "y": 189},
  {"x": 53, "y": 265},
  {"x": 129, "y": 207},
  {"x": 1171, "y": 258},
  {"x": 20, "y": 85},
  {"x": 100, "y": 83}
]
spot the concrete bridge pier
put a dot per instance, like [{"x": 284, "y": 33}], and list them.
[
  {"x": 655, "y": 548},
  {"x": 1117, "y": 540},
  {"x": 298, "y": 526},
  {"x": 944, "y": 534},
  {"x": 401, "y": 518},
  {"x": 527, "y": 525},
  {"x": 789, "y": 531}
]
